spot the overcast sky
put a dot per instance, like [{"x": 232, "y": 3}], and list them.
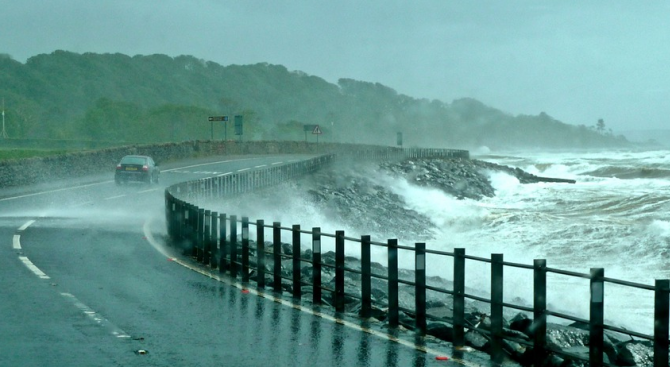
[{"x": 578, "y": 61}]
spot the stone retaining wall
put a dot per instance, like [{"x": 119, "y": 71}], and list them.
[{"x": 77, "y": 164}]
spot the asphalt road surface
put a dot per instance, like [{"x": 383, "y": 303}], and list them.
[{"x": 86, "y": 280}]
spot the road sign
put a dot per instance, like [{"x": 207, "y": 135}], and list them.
[
  {"x": 317, "y": 130},
  {"x": 218, "y": 118}
]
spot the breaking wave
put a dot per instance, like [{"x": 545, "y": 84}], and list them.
[{"x": 627, "y": 173}]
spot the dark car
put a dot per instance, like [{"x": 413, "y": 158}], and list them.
[{"x": 136, "y": 168}]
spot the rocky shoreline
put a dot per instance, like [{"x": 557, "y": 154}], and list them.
[{"x": 362, "y": 199}]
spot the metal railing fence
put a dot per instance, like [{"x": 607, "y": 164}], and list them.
[{"x": 223, "y": 242}]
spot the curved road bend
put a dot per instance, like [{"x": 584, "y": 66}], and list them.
[{"x": 85, "y": 282}]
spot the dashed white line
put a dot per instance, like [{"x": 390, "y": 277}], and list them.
[
  {"x": 205, "y": 164},
  {"x": 96, "y": 317},
  {"x": 224, "y": 174},
  {"x": 145, "y": 191},
  {"x": 82, "y": 204},
  {"x": 262, "y": 165},
  {"x": 85, "y": 309},
  {"x": 26, "y": 225},
  {"x": 16, "y": 240},
  {"x": 275, "y": 163},
  {"x": 57, "y": 190},
  {"x": 29, "y": 264},
  {"x": 243, "y": 169},
  {"x": 114, "y": 197},
  {"x": 16, "y": 244}
]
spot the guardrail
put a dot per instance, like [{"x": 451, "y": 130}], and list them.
[{"x": 222, "y": 241}]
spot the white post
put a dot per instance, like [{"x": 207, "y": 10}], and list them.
[{"x": 4, "y": 133}]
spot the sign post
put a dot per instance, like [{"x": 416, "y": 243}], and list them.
[
  {"x": 307, "y": 128},
  {"x": 317, "y": 132},
  {"x": 211, "y": 120},
  {"x": 238, "y": 125}
]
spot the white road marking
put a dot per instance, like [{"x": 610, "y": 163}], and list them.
[
  {"x": 262, "y": 165},
  {"x": 243, "y": 169},
  {"x": 224, "y": 174},
  {"x": 145, "y": 191},
  {"x": 26, "y": 225},
  {"x": 57, "y": 190},
  {"x": 29, "y": 264},
  {"x": 16, "y": 240},
  {"x": 114, "y": 197},
  {"x": 205, "y": 164},
  {"x": 85, "y": 309},
  {"x": 16, "y": 244},
  {"x": 96, "y": 317},
  {"x": 277, "y": 163}
]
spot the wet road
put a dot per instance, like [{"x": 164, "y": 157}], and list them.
[{"x": 86, "y": 281}]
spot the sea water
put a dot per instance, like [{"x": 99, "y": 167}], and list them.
[{"x": 616, "y": 216}]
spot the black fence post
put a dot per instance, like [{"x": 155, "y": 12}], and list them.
[
  {"x": 393, "y": 312},
  {"x": 223, "y": 246},
  {"x": 496, "y": 308},
  {"x": 276, "y": 252},
  {"x": 420, "y": 286},
  {"x": 596, "y": 321},
  {"x": 233, "y": 246},
  {"x": 339, "y": 271},
  {"x": 661, "y": 319},
  {"x": 170, "y": 216},
  {"x": 459, "y": 297},
  {"x": 182, "y": 220},
  {"x": 297, "y": 287},
  {"x": 186, "y": 232},
  {"x": 200, "y": 235},
  {"x": 539, "y": 312},
  {"x": 194, "y": 231},
  {"x": 260, "y": 253},
  {"x": 206, "y": 237},
  {"x": 366, "y": 278},
  {"x": 214, "y": 241},
  {"x": 316, "y": 264},
  {"x": 245, "y": 249}
]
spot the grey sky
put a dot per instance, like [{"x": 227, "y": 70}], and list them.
[{"x": 576, "y": 61}]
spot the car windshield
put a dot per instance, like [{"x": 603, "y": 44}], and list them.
[{"x": 134, "y": 160}]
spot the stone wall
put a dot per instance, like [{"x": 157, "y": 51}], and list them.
[{"x": 77, "y": 164}]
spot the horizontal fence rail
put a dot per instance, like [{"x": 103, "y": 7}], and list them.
[{"x": 223, "y": 242}]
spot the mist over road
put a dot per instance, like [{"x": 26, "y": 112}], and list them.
[{"x": 82, "y": 285}]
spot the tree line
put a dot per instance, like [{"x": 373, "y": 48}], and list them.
[{"x": 158, "y": 98}]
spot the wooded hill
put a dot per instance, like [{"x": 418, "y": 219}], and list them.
[{"x": 157, "y": 98}]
